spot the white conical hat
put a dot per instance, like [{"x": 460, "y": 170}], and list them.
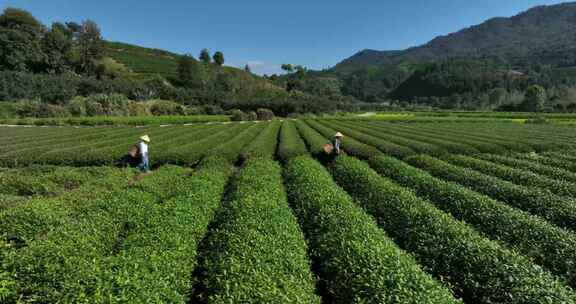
[
  {"x": 338, "y": 135},
  {"x": 145, "y": 138}
]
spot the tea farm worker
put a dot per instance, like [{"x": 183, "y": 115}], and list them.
[
  {"x": 143, "y": 150},
  {"x": 336, "y": 142}
]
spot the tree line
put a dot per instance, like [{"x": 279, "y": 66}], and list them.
[{"x": 66, "y": 69}]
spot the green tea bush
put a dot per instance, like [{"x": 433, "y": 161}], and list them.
[
  {"x": 385, "y": 146},
  {"x": 191, "y": 152},
  {"x": 169, "y": 150},
  {"x": 232, "y": 148},
  {"x": 480, "y": 270},
  {"x": 314, "y": 140},
  {"x": 291, "y": 145},
  {"x": 548, "y": 161},
  {"x": 356, "y": 261},
  {"x": 257, "y": 254},
  {"x": 155, "y": 261},
  {"x": 74, "y": 151},
  {"x": 120, "y": 120},
  {"x": 264, "y": 145},
  {"x": 549, "y": 171},
  {"x": 38, "y": 181},
  {"x": 450, "y": 144},
  {"x": 29, "y": 221},
  {"x": 415, "y": 145},
  {"x": 470, "y": 135},
  {"x": 350, "y": 145},
  {"x": 532, "y": 236},
  {"x": 74, "y": 249},
  {"x": 516, "y": 176},
  {"x": 10, "y": 201},
  {"x": 558, "y": 210}
]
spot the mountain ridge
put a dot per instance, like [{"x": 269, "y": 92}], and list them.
[{"x": 540, "y": 34}]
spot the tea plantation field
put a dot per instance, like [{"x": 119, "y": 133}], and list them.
[{"x": 255, "y": 212}]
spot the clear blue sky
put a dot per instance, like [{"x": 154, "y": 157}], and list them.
[{"x": 314, "y": 33}]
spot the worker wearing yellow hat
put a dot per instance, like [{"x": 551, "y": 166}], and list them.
[{"x": 143, "y": 151}]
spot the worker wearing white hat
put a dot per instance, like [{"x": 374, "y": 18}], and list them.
[
  {"x": 336, "y": 143},
  {"x": 143, "y": 150}
]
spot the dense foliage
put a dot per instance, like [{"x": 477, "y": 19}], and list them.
[
  {"x": 547, "y": 244},
  {"x": 238, "y": 227},
  {"x": 480, "y": 270},
  {"x": 257, "y": 254},
  {"x": 557, "y": 209},
  {"x": 357, "y": 262},
  {"x": 49, "y": 66}
]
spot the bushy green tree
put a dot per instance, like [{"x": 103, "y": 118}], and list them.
[
  {"x": 218, "y": 58},
  {"x": 20, "y": 47},
  {"x": 535, "y": 99},
  {"x": 57, "y": 47},
  {"x": 91, "y": 46},
  {"x": 185, "y": 70},
  {"x": 205, "y": 56},
  {"x": 498, "y": 97}
]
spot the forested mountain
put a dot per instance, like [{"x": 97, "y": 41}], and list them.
[
  {"x": 541, "y": 35},
  {"x": 487, "y": 66}
]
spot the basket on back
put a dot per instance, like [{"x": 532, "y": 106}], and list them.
[{"x": 134, "y": 151}]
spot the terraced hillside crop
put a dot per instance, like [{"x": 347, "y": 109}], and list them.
[{"x": 258, "y": 213}]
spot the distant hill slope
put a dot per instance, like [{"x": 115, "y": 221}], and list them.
[
  {"x": 143, "y": 61},
  {"x": 148, "y": 62},
  {"x": 541, "y": 35}
]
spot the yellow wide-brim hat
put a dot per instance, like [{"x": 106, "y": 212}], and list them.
[
  {"x": 145, "y": 138},
  {"x": 339, "y": 135}
]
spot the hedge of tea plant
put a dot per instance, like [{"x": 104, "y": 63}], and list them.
[
  {"x": 349, "y": 144},
  {"x": 556, "y": 209},
  {"x": 65, "y": 264},
  {"x": 37, "y": 216},
  {"x": 450, "y": 143},
  {"x": 257, "y": 253},
  {"x": 385, "y": 146},
  {"x": 191, "y": 152},
  {"x": 109, "y": 151},
  {"x": 547, "y": 244},
  {"x": 290, "y": 144},
  {"x": 314, "y": 140},
  {"x": 481, "y": 141},
  {"x": 45, "y": 181},
  {"x": 548, "y": 161},
  {"x": 549, "y": 171},
  {"x": 155, "y": 261},
  {"x": 516, "y": 176},
  {"x": 230, "y": 150},
  {"x": 417, "y": 146},
  {"x": 264, "y": 145},
  {"x": 478, "y": 269},
  {"x": 539, "y": 138},
  {"x": 356, "y": 261}
]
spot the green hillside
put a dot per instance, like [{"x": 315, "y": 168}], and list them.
[
  {"x": 143, "y": 61},
  {"x": 147, "y": 62}
]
